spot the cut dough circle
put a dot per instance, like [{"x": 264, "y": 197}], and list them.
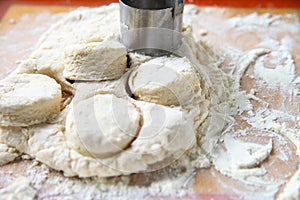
[
  {"x": 166, "y": 133},
  {"x": 95, "y": 61},
  {"x": 165, "y": 80},
  {"x": 28, "y": 99},
  {"x": 102, "y": 126}
]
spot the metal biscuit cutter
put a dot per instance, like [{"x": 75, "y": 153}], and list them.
[{"x": 151, "y": 27}]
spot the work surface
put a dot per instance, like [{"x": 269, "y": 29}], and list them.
[{"x": 22, "y": 25}]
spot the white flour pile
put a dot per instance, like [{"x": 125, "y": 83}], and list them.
[{"x": 150, "y": 123}]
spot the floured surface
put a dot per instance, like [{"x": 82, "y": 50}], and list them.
[
  {"x": 266, "y": 122},
  {"x": 264, "y": 46},
  {"x": 20, "y": 189}
]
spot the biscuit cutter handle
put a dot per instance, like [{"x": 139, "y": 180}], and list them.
[{"x": 151, "y": 27}]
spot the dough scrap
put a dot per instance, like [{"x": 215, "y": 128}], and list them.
[
  {"x": 95, "y": 61},
  {"x": 28, "y": 99},
  {"x": 241, "y": 159},
  {"x": 7, "y": 154}
]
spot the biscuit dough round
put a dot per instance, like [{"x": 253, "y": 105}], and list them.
[
  {"x": 95, "y": 61},
  {"x": 28, "y": 99},
  {"x": 102, "y": 126},
  {"x": 166, "y": 81},
  {"x": 166, "y": 133}
]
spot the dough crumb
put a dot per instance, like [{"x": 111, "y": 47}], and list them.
[{"x": 7, "y": 154}]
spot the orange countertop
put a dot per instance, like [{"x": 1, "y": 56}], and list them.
[{"x": 5, "y": 4}]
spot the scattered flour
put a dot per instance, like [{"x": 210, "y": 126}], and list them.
[
  {"x": 20, "y": 44},
  {"x": 19, "y": 190},
  {"x": 277, "y": 68},
  {"x": 253, "y": 21},
  {"x": 266, "y": 119},
  {"x": 270, "y": 62},
  {"x": 292, "y": 189}
]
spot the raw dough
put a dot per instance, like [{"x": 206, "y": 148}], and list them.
[
  {"x": 102, "y": 126},
  {"x": 86, "y": 89},
  {"x": 241, "y": 159},
  {"x": 58, "y": 146},
  {"x": 165, "y": 80},
  {"x": 187, "y": 127},
  {"x": 47, "y": 144},
  {"x": 81, "y": 26},
  {"x": 166, "y": 132},
  {"x": 28, "y": 99},
  {"x": 95, "y": 61}
]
